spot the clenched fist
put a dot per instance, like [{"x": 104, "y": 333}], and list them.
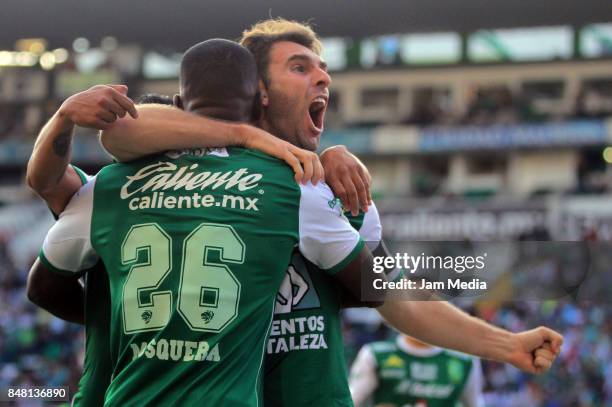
[{"x": 535, "y": 350}]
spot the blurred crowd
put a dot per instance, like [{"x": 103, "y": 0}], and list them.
[
  {"x": 486, "y": 105},
  {"x": 490, "y": 105},
  {"x": 24, "y": 120},
  {"x": 37, "y": 349}
]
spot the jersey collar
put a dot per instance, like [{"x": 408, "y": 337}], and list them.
[{"x": 414, "y": 351}]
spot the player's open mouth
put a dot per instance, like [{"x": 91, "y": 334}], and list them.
[{"x": 316, "y": 111}]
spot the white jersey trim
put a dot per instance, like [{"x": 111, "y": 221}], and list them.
[
  {"x": 67, "y": 246},
  {"x": 326, "y": 236}
]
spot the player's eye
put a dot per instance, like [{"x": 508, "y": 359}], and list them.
[{"x": 298, "y": 68}]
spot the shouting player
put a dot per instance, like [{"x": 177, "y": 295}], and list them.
[
  {"x": 290, "y": 65},
  {"x": 50, "y": 175},
  {"x": 191, "y": 286}
]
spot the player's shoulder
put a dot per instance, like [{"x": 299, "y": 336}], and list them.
[
  {"x": 113, "y": 169},
  {"x": 255, "y": 156},
  {"x": 318, "y": 192},
  {"x": 273, "y": 169},
  {"x": 319, "y": 198}
]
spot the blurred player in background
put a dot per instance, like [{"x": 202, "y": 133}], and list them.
[{"x": 408, "y": 372}]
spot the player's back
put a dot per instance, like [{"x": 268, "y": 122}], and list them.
[{"x": 196, "y": 247}]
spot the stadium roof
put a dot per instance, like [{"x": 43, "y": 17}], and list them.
[{"x": 178, "y": 24}]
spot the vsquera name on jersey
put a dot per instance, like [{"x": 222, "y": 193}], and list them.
[
  {"x": 176, "y": 350},
  {"x": 145, "y": 189}
]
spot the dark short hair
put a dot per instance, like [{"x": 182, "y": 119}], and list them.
[
  {"x": 220, "y": 69},
  {"x": 154, "y": 98}
]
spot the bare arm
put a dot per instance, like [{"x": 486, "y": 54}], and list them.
[
  {"x": 348, "y": 297},
  {"x": 62, "y": 296},
  {"x": 442, "y": 324},
  {"x": 48, "y": 173},
  {"x": 128, "y": 139}
]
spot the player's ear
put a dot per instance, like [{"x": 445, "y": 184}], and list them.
[
  {"x": 263, "y": 94},
  {"x": 256, "y": 113},
  {"x": 178, "y": 102}
]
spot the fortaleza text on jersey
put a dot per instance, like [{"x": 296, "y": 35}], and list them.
[
  {"x": 297, "y": 334},
  {"x": 423, "y": 284}
]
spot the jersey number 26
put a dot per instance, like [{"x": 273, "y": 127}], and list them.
[{"x": 208, "y": 292}]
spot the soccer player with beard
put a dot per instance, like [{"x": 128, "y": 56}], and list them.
[{"x": 294, "y": 93}]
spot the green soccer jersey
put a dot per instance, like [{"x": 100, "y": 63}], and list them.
[
  {"x": 398, "y": 374},
  {"x": 97, "y": 366},
  {"x": 305, "y": 363},
  {"x": 195, "y": 246}
]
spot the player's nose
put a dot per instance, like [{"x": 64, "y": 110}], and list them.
[{"x": 322, "y": 78}]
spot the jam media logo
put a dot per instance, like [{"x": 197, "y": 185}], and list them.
[{"x": 296, "y": 291}]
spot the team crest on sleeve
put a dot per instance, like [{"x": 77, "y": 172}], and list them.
[
  {"x": 336, "y": 203},
  {"x": 296, "y": 291}
]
